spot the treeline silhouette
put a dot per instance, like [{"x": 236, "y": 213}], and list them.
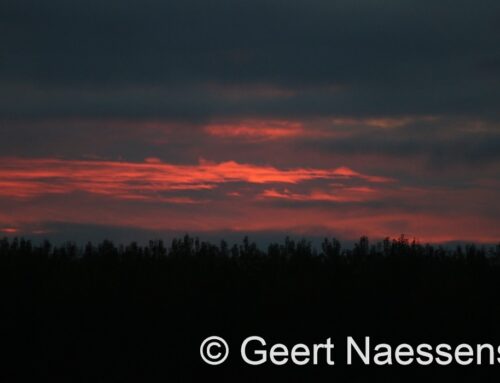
[{"x": 109, "y": 312}]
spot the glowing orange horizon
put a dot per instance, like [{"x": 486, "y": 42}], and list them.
[{"x": 219, "y": 196}]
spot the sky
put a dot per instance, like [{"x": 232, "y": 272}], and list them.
[{"x": 138, "y": 119}]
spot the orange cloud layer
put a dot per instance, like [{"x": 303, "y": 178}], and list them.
[{"x": 26, "y": 178}]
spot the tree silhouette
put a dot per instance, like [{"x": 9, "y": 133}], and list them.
[{"x": 110, "y": 312}]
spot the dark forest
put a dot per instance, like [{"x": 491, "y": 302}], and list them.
[{"x": 139, "y": 313}]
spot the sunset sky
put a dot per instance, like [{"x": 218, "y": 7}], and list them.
[{"x": 139, "y": 119}]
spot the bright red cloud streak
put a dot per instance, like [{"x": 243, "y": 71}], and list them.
[{"x": 26, "y": 178}]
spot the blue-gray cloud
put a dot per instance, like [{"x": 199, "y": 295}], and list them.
[{"x": 155, "y": 58}]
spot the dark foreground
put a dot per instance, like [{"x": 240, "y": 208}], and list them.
[{"x": 118, "y": 314}]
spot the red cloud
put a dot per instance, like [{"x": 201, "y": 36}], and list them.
[
  {"x": 25, "y": 178},
  {"x": 256, "y": 130},
  {"x": 105, "y": 188},
  {"x": 9, "y": 230}
]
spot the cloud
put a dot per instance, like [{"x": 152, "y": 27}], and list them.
[
  {"x": 193, "y": 60},
  {"x": 303, "y": 106},
  {"x": 9, "y": 230},
  {"x": 341, "y": 195},
  {"x": 308, "y": 207},
  {"x": 149, "y": 180},
  {"x": 257, "y": 131},
  {"x": 442, "y": 142}
]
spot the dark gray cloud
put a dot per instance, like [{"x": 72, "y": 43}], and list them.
[
  {"x": 143, "y": 58},
  {"x": 441, "y": 143}
]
